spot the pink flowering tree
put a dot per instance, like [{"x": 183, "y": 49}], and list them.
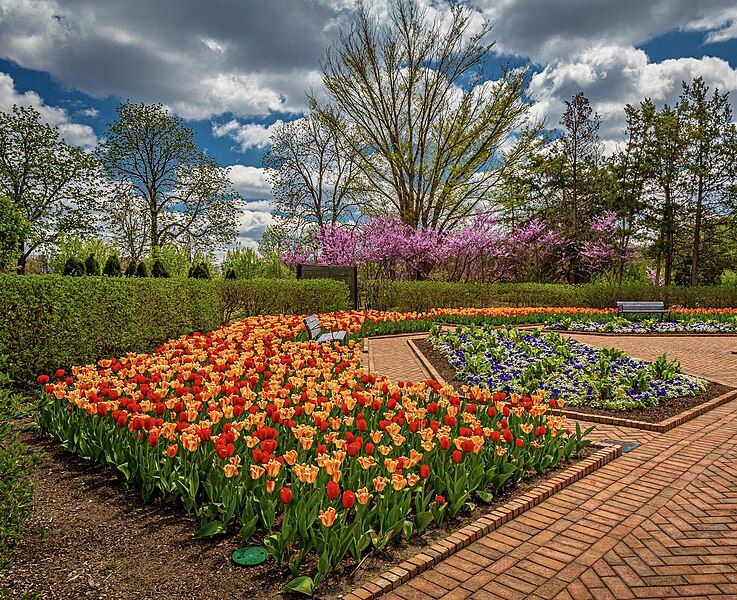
[
  {"x": 480, "y": 249},
  {"x": 602, "y": 251}
]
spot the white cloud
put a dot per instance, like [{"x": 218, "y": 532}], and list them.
[
  {"x": 251, "y": 182},
  {"x": 248, "y": 135},
  {"x": 92, "y": 113},
  {"x": 554, "y": 30},
  {"x": 612, "y": 76},
  {"x": 73, "y": 133}
]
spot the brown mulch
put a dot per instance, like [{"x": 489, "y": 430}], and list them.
[
  {"x": 92, "y": 537},
  {"x": 651, "y": 414}
]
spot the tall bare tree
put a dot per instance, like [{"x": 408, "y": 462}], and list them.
[
  {"x": 429, "y": 128},
  {"x": 189, "y": 197},
  {"x": 313, "y": 173},
  {"x": 127, "y": 215}
]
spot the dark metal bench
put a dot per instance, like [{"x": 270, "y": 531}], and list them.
[
  {"x": 642, "y": 308},
  {"x": 312, "y": 323}
]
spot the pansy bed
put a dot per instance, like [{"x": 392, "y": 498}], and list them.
[
  {"x": 252, "y": 427},
  {"x": 579, "y": 375},
  {"x": 618, "y": 325}
]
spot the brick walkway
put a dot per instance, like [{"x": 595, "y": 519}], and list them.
[
  {"x": 709, "y": 357},
  {"x": 661, "y": 521}
]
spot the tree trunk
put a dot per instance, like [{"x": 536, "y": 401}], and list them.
[
  {"x": 669, "y": 236},
  {"x": 697, "y": 232},
  {"x": 154, "y": 231},
  {"x": 22, "y": 258}
]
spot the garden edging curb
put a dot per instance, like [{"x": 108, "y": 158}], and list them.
[
  {"x": 458, "y": 540},
  {"x": 657, "y": 427}
]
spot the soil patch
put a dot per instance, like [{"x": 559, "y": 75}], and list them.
[
  {"x": 90, "y": 536},
  {"x": 651, "y": 414}
]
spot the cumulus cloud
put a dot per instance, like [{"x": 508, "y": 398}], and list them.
[
  {"x": 547, "y": 30},
  {"x": 203, "y": 59},
  {"x": 73, "y": 133},
  {"x": 612, "y": 76},
  {"x": 248, "y": 135},
  {"x": 250, "y": 181}
]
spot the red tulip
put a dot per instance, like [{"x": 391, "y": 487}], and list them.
[
  {"x": 424, "y": 471},
  {"x": 456, "y": 456},
  {"x": 60, "y": 373},
  {"x": 333, "y": 490},
  {"x": 440, "y": 499},
  {"x": 42, "y": 379},
  {"x": 285, "y": 495},
  {"x": 519, "y": 443},
  {"x": 349, "y": 499}
]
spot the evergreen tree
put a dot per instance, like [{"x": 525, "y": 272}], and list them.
[
  {"x": 158, "y": 269},
  {"x": 200, "y": 271},
  {"x": 74, "y": 267},
  {"x": 141, "y": 269},
  {"x": 91, "y": 265},
  {"x": 710, "y": 160},
  {"x": 130, "y": 270},
  {"x": 112, "y": 266},
  {"x": 230, "y": 274}
]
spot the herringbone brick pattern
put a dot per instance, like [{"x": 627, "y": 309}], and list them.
[
  {"x": 709, "y": 357},
  {"x": 660, "y": 521}
]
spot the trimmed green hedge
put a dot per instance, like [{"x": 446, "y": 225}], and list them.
[
  {"x": 423, "y": 295},
  {"x": 49, "y": 321}
]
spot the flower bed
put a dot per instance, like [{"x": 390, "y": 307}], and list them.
[
  {"x": 577, "y": 374},
  {"x": 249, "y": 424},
  {"x": 648, "y": 326}
]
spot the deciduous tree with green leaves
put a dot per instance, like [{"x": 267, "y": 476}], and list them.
[
  {"x": 154, "y": 157},
  {"x": 13, "y": 229},
  {"x": 54, "y": 185}
]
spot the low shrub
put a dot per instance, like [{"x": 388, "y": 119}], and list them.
[
  {"x": 16, "y": 464},
  {"x": 248, "y": 297},
  {"x": 424, "y": 295},
  {"x": 49, "y": 321}
]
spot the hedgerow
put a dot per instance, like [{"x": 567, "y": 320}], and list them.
[
  {"x": 425, "y": 295},
  {"x": 49, "y": 321}
]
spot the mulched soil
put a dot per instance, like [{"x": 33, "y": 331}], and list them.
[
  {"x": 651, "y": 414},
  {"x": 91, "y": 537}
]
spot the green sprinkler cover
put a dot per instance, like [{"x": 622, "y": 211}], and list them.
[{"x": 250, "y": 556}]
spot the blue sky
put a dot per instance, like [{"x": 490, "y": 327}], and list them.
[{"x": 233, "y": 68}]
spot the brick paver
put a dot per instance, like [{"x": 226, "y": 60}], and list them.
[
  {"x": 391, "y": 356},
  {"x": 709, "y": 357},
  {"x": 661, "y": 521}
]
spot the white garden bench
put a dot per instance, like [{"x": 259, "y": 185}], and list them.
[{"x": 312, "y": 323}]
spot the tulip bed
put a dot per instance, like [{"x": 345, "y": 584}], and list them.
[
  {"x": 520, "y": 361},
  {"x": 250, "y": 425}
]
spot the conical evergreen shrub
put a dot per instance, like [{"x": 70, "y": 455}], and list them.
[{"x": 112, "y": 266}]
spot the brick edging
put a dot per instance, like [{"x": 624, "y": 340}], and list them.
[
  {"x": 426, "y": 364},
  {"x": 458, "y": 540},
  {"x": 658, "y": 427}
]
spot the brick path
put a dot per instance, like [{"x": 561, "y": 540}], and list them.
[
  {"x": 709, "y": 357},
  {"x": 661, "y": 521}
]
